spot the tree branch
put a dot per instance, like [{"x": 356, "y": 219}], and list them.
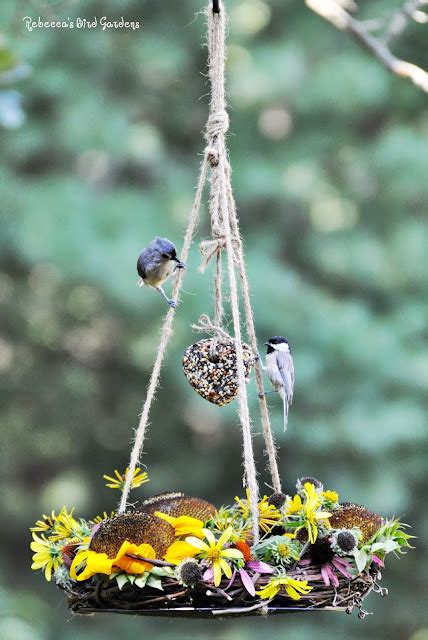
[{"x": 331, "y": 11}]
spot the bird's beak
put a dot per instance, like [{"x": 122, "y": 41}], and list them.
[{"x": 180, "y": 265}]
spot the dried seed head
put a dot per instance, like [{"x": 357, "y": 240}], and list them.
[
  {"x": 277, "y": 500},
  {"x": 344, "y": 541},
  {"x": 137, "y": 528},
  {"x": 188, "y": 573},
  {"x": 177, "y": 504},
  {"x": 321, "y": 552},
  {"x": 300, "y": 484},
  {"x": 350, "y": 516}
]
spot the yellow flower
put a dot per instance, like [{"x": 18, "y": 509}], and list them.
[
  {"x": 215, "y": 553},
  {"x": 293, "y": 588},
  {"x": 307, "y": 510},
  {"x": 101, "y": 563},
  {"x": 66, "y": 526},
  {"x": 268, "y": 513},
  {"x": 95, "y": 563},
  {"x": 118, "y": 482},
  {"x": 133, "y": 565},
  {"x": 183, "y": 525},
  {"x": 47, "y": 556},
  {"x": 46, "y": 524},
  {"x": 103, "y": 516},
  {"x": 179, "y": 550},
  {"x": 331, "y": 496}
]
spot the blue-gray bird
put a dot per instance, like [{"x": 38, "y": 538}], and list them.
[
  {"x": 280, "y": 370},
  {"x": 156, "y": 263}
]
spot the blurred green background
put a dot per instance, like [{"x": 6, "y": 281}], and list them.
[{"x": 100, "y": 134}]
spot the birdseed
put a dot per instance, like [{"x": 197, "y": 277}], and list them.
[{"x": 215, "y": 379}]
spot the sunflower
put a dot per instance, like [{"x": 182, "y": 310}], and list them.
[
  {"x": 118, "y": 482},
  {"x": 268, "y": 513},
  {"x": 214, "y": 552},
  {"x": 47, "y": 555},
  {"x": 293, "y": 588},
  {"x": 308, "y": 511}
]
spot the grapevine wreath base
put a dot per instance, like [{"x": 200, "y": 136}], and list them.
[
  {"x": 179, "y": 556},
  {"x": 203, "y": 602}
]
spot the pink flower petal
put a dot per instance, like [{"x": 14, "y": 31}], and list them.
[
  {"x": 247, "y": 582},
  {"x": 333, "y": 577},
  {"x": 340, "y": 567},
  {"x": 232, "y": 578},
  {"x": 304, "y": 563},
  {"x": 208, "y": 575},
  {"x": 378, "y": 561},
  {"x": 260, "y": 567},
  {"x": 325, "y": 576}
]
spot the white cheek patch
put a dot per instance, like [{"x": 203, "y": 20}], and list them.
[{"x": 281, "y": 347}]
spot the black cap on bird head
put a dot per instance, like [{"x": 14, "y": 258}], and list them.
[{"x": 274, "y": 343}]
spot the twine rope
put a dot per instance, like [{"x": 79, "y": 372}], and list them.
[
  {"x": 165, "y": 336},
  {"x": 206, "y": 326},
  {"x": 271, "y": 450},
  {"x": 222, "y": 230},
  {"x": 225, "y": 235}
]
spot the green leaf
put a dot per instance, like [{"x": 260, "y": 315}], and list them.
[
  {"x": 361, "y": 559},
  {"x": 121, "y": 580},
  {"x": 141, "y": 581},
  {"x": 155, "y": 583}
]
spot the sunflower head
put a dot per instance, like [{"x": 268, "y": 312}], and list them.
[
  {"x": 138, "y": 528},
  {"x": 177, "y": 504},
  {"x": 350, "y": 516}
]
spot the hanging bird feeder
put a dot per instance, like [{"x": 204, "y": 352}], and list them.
[{"x": 180, "y": 556}]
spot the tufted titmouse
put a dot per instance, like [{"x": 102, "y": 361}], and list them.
[
  {"x": 280, "y": 370},
  {"x": 156, "y": 263}
]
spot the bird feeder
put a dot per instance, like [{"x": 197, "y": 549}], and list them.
[{"x": 180, "y": 556}]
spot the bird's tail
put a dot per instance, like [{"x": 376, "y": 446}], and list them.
[{"x": 285, "y": 404}]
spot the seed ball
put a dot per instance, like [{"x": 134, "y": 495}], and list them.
[{"x": 215, "y": 377}]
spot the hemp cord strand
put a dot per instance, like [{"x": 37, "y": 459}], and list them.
[
  {"x": 222, "y": 228},
  {"x": 271, "y": 450},
  {"x": 166, "y": 333}
]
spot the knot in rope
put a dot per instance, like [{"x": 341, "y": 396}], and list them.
[
  {"x": 218, "y": 122},
  {"x": 205, "y": 325},
  {"x": 209, "y": 248}
]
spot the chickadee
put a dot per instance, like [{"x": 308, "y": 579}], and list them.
[
  {"x": 280, "y": 370},
  {"x": 156, "y": 263}
]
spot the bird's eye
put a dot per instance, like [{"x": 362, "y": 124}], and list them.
[{"x": 166, "y": 256}]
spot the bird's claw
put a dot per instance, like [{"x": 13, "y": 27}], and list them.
[
  {"x": 262, "y": 395},
  {"x": 172, "y": 303}
]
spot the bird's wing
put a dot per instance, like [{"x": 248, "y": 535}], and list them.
[
  {"x": 286, "y": 368},
  {"x": 140, "y": 264}
]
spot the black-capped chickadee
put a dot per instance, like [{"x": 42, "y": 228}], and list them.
[
  {"x": 280, "y": 370},
  {"x": 156, "y": 263}
]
